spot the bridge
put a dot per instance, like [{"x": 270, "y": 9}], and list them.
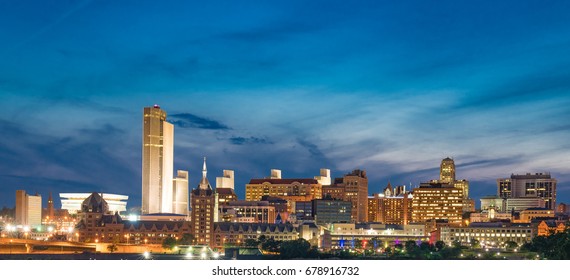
[{"x": 19, "y": 246}]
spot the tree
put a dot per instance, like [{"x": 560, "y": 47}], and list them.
[
  {"x": 187, "y": 239},
  {"x": 168, "y": 243},
  {"x": 112, "y": 247},
  {"x": 294, "y": 249},
  {"x": 475, "y": 243},
  {"x": 271, "y": 245},
  {"x": 511, "y": 245},
  {"x": 410, "y": 246},
  {"x": 251, "y": 242},
  {"x": 439, "y": 245}
]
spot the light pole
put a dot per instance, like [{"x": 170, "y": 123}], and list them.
[{"x": 11, "y": 246}]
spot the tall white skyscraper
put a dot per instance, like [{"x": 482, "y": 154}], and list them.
[
  {"x": 158, "y": 162},
  {"x": 180, "y": 191}
]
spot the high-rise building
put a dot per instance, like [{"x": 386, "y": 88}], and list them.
[
  {"x": 395, "y": 206},
  {"x": 203, "y": 211},
  {"x": 325, "y": 177},
  {"x": 225, "y": 189},
  {"x": 21, "y": 208},
  {"x": 158, "y": 162},
  {"x": 373, "y": 213},
  {"x": 538, "y": 185},
  {"x": 354, "y": 187},
  {"x": 28, "y": 209},
  {"x": 447, "y": 171},
  {"x": 437, "y": 201},
  {"x": 180, "y": 193},
  {"x": 226, "y": 181}
]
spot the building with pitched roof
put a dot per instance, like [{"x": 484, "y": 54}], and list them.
[{"x": 228, "y": 234}]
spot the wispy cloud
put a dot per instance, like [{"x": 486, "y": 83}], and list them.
[
  {"x": 249, "y": 140},
  {"x": 187, "y": 120}
]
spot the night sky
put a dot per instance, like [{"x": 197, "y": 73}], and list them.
[{"x": 391, "y": 87}]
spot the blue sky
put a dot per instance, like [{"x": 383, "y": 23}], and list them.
[{"x": 392, "y": 87}]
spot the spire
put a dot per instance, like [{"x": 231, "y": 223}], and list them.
[
  {"x": 204, "y": 170},
  {"x": 204, "y": 184}
]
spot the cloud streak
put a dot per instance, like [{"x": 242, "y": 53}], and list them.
[{"x": 187, "y": 120}]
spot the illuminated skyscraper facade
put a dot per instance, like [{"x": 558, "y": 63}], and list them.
[
  {"x": 158, "y": 163},
  {"x": 538, "y": 185},
  {"x": 447, "y": 171},
  {"x": 180, "y": 193}
]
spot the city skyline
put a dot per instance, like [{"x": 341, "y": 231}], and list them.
[{"x": 296, "y": 87}]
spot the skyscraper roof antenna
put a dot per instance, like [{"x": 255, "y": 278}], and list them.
[{"x": 204, "y": 170}]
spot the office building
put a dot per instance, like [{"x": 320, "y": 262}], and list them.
[
  {"x": 522, "y": 203},
  {"x": 21, "y": 212},
  {"x": 225, "y": 188},
  {"x": 324, "y": 178},
  {"x": 492, "y": 235},
  {"x": 352, "y": 187},
  {"x": 292, "y": 190},
  {"x": 203, "y": 211},
  {"x": 28, "y": 210},
  {"x": 226, "y": 181},
  {"x": 327, "y": 211},
  {"x": 373, "y": 211},
  {"x": 447, "y": 171},
  {"x": 394, "y": 206},
  {"x": 248, "y": 212},
  {"x": 538, "y": 185},
  {"x": 304, "y": 211},
  {"x": 158, "y": 162},
  {"x": 180, "y": 193},
  {"x": 437, "y": 201}
]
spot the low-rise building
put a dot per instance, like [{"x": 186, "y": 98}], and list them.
[
  {"x": 527, "y": 215},
  {"x": 232, "y": 234},
  {"x": 493, "y": 234},
  {"x": 548, "y": 227},
  {"x": 371, "y": 235}
]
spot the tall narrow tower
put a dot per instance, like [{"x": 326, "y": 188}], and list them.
[
  {"x": 447, "y": 171},
  {"x": 158, "y": 162},
  {"x": 50, "y": 208},
  {"x": 203, "y": 208}
]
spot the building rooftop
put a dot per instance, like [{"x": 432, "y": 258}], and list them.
[
  {"x": 531, "y": 176},
  {"x": 283, "y": 181}
]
